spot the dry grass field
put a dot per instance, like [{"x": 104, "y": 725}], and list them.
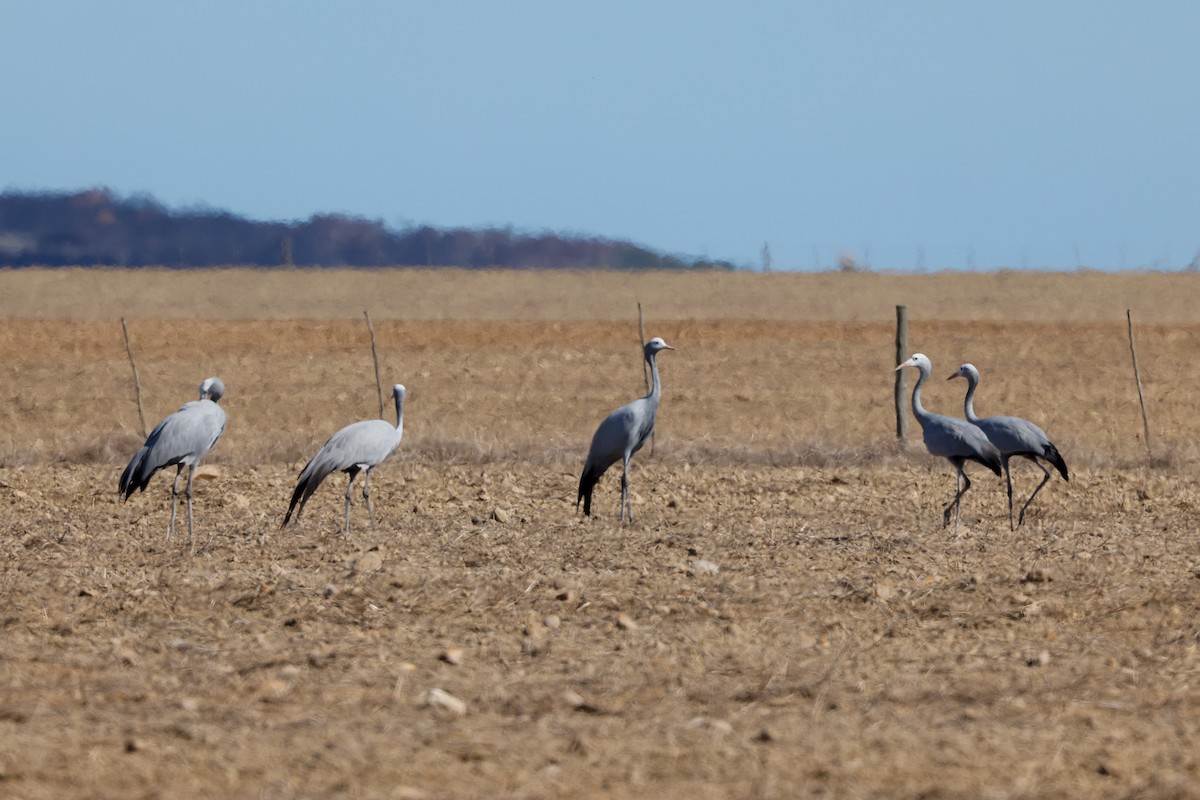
[{"x": 786, "y": 618}]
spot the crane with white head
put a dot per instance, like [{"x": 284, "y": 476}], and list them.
[
  {"x": 358, "y": 447},
  {"x": 181, "y": 440},
  {"x": 954, "y": 439},
  {"x": 621, "y": 434},
  {"x": 1013, "y": 436}
]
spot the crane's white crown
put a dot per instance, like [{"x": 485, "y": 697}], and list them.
[
  {"x": 967, "y": 371},
  {"x": 918, "y": 360},
  {"x": 656, "y": 344},
  {"x": 212, "y": 389}
]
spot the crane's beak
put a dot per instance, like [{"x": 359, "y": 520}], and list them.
[
  {"x": 955, "y": 375},
  {"x": 667, "y": 346},
  {"x": 902, "y": 366}
]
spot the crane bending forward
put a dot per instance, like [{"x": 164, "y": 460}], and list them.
[
  {"x": 1012, "y": 436},
  {"x": 356, "y": 447},
  {"x": 180, "y": 440},
  {"x": 620, "y": 435},
  {"x": 956, "y": 440}
]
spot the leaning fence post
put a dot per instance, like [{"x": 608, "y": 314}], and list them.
[
  {"x": 1137, "y": 377},
  {"x": 901, "y": 378},
  {"x": 375, "y": 357},
  {"x": 137, "y": 383},
  {"x": 645, "y": 370},
  {"x": 642, "y": 344}
]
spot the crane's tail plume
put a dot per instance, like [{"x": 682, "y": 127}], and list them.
[
  {"x": 587, "y": 482},
  {"x": 310, "y": 479},
  {"x": 1052, "y": 455},
  {"x": 123, "y": 486},
  {"x": 992, "y": 459},
  {"x": 297, "y": 497},
  {"x": 134, "y": 478}
]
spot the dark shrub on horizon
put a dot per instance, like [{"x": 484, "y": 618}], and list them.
[{"x": 98, "y": 228}]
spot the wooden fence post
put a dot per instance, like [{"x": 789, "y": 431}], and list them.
[
  {"x": 375, "y": 357},
  {"x": 641, "y": 344},
  {"x": 645, "y": 369},
  {"x": 901, "y": 375},
  {"x": 137, "y": 383},
  {"x": 1137, "y": 378}
]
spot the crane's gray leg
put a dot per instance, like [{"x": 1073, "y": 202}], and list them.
[
  {"x": 1035, "y": 491},
  {"x": 367, "y": 496},
  {"x": 626, "y": 500},
  {"x": 174, "y": 501},
  {"x": 958, "y": 500},
  {"x": 1008, "y": 484},
  {"x": 191, "y": 534},
  {"x": 349, "y": 494},
  {"x": 961, "y": 484},
  {"x": 957, "y": 486}
]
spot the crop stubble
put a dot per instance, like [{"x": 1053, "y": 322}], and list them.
[{"x": 845, "y": 645}]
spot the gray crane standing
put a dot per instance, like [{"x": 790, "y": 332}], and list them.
[
  {"x": 954, "y": 439},
  {"x": 357, "y": 447},
  {"x": 1012, "y": 436},
  {"x": 621, "y": 434},
  {"x": 182, "y": 439}
]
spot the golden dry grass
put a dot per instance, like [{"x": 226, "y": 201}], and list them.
[
  {"x": 845, "y": 645},
  {"x": 456, "y": 294}
]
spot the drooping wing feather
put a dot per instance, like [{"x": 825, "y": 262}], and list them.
[
  {"x": 1015, "y": 436},
  {"x": 181, "y": 438},
  {"x": 624, "y": 430},
  {"x": 361, "y": 445},
  {"x": 949, "y": 437}
]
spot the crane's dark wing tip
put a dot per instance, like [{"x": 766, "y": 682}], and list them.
[
  {"x": 587, "y": 483},
  {"x": 298, "y": 499},
  {"x": 1054, "y": 457}
]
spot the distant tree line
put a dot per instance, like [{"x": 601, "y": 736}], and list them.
[{"x": 96, "y": 227}]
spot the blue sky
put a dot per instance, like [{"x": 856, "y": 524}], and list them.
[{"x": 910, "y": 135}]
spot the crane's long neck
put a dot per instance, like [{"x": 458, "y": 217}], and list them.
[
  {"x": 655, "y": 385},
  {"x": 919, "y": 411},
  {"x": 400, "y": 412},
  {"x": 969, "y": 402}
]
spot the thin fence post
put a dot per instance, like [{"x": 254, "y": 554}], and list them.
[
  {"x": 375, "y": 358},
  {"x": 137, "y": 382},
  {"x": 1137, "y": 377},
  {"x": 642, "y": 344},
  {"x": 901, "y": 375},
  {"x": 645, "y": 369}
]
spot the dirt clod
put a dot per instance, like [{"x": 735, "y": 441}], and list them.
[{"x": 439, "y": 698}]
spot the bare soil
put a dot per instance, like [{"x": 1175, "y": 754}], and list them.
[{"x": 786, "y": 616}]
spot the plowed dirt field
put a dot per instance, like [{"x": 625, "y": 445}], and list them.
[{"x": 786, "y": 617}]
